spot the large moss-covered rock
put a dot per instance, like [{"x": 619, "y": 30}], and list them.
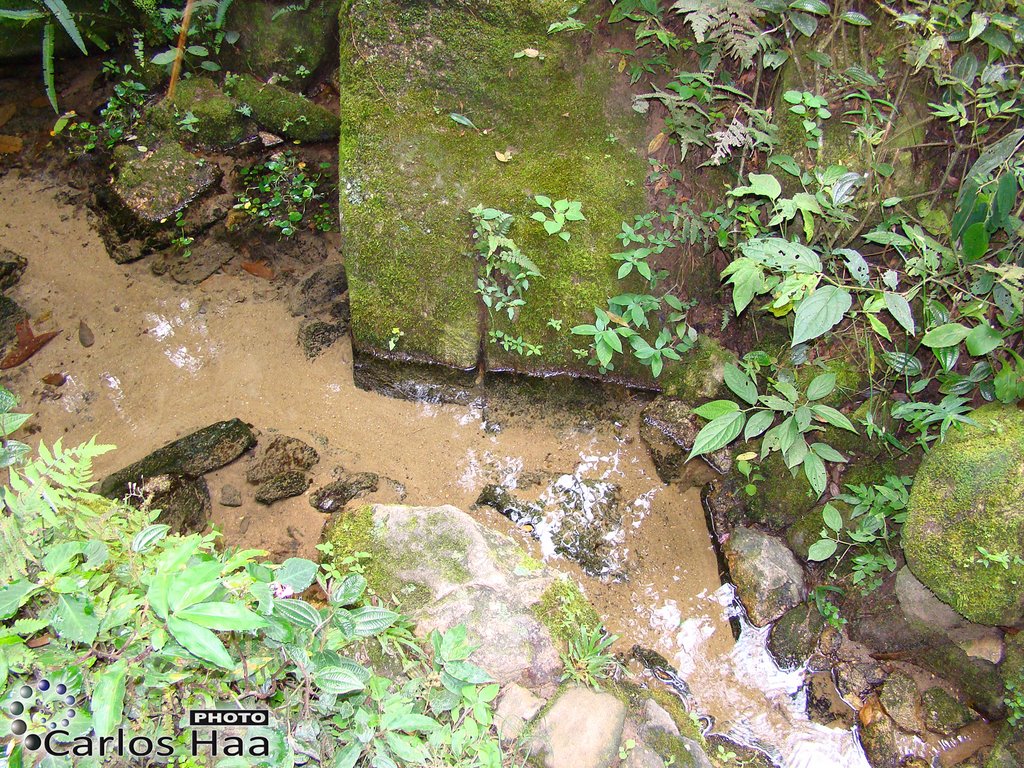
[
  {"x": 293, "y": 45},
  {"x": 411, "y": 173},
  {"x": 447, "y": 569},
  {"x": 969, "y": 493},
  {"x": 768, "y": 579},
  {"x": 219, "y": 124},
  {"x": 285, "y": 113}
]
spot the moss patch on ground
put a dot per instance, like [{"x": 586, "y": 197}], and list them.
[
  {"x": 157, "y": 184},
  {"x": 410, "y": 173},
  {"x": 968, "y": 494},
  {"x": 563, "y": 609}
]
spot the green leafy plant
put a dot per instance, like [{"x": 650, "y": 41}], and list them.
[
  {"x": 1014, "y": 701},
  {"x": 284, "y": 195},
  {"x": 11, "y": 451},
  {"x": 799, "y": 414},
  {"x": 206, "y": 34},
  {"x": 105, "y": 600},
  {"x": 811, "y": 109},
  {"x": 587, "y": 659},
  {"x": 878, "y": 511},
  {"x": 828, "y": 610},
  {"x": 562, "y": 212}
]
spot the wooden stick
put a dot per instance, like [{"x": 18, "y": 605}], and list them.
[{"x": 186, "y": 19}]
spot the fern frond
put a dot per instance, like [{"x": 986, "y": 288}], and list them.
[{"x": 729, "y": 24}]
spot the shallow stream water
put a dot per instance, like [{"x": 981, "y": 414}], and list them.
[{"x": 169, "y": 359}]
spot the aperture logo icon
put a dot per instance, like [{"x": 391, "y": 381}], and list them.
[{"x": 39, "y": 709}]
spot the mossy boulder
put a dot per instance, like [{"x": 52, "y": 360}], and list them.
[
  {"x": 410, "y": 173},
  {"x": 781, "y": 498},
  {"x": 219, "y": 124},
  {"x": 768, "y": 579},
  {"x": 794, "y": 637},
  {"x": 153, "y": 186},
  {"x": 445, "y": 569},
  {"x": 292, "y": 45},
  {"x": 285, "y": 113},
  {"x": 969, "y": 494},
  {"x": 700, "y": 375}
]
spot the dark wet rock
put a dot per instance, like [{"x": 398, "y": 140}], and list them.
[
  {"x": 315, "y": 336},
  {"x": 744, "y": 755},
  {"x": 155, "y": 185},
  {"x": 795, "y": 636},
  {"x": 579, "y": 518},
  {"x": 335, "y": 495},
  {"x": 856, "y": 679},
  {"x": 781, "y": 498},
  {"x": 85, "y": 335},
  {"x": 285, "y": 113},
  {"x": 881, "y": 737},
  {"x": 322, "y": 293},
  {"x": 824, "y": 704},
  {"x": 280, "y": 455},
  {"x": 447, "y": 569},
  {"x": 408, "y": 380},
  {"x": 184, "y": 502},
  {"x": 968, "y": 495},
  {"x": 519, "y": 512},
  {"x": 668, "y": 428},
  {"x": 208, "y": 256},
  {"x": 768, "y": 578},
  {"x": 581, "y": 729},
  {"x": 944, "y": 714},
  {"x": 282, "y": 486},
  {"x": 193, "y": 455},
  {"x": 230, "y": 496},
  {"x": 900, "y": 698},
  {"x": 11, "y": 314},
  {"x": 293, "y": 44},
  {"x": 125, "y": 252},
  {"x": 12, "y": 267}
]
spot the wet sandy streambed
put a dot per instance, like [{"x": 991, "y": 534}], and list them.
[{"x": 170, "y": 359}]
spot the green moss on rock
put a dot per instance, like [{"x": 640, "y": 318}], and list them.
[
  {"x": 293, "y": 44},
  {"x": 411, "y": 173},
  {"x": 285, "y": 113},
  {"x": 564, "y": 609},
  {"x": 781, "y": 499},
  {"x": 700, "y": 374},
  {"x": 157, "y": 184},
  {"x": 219, "y": 125},
  {"x": 969, "y": 493}
]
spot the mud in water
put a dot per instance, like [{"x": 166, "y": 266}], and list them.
[{"x": 168, "y": 359}]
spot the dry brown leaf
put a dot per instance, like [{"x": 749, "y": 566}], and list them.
[
  {"x": 10, "y": 144},
  {"x": 661, "y": 184},
  {"x": 657, "y": 143},
  {"x": 7, "y": 111},
  {"x": 503, "y": 157}
]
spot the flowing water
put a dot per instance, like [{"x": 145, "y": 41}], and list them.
[{"x": 169, "y": 359}]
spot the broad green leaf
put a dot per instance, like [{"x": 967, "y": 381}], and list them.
[
  {"x": 811, "y": 6},
  {"x": 762, "y": 184},
  {"x": 75, "y": 619},
  {"x": 297, "y": 612},
  {"x": 164, "y": 58},
  {"x": 542, "y": 200},
  {"x": 348, "y": 590},
  {"x": 194, "y": 584},
  {"x": 348, "y": 756},
  {"x": 200, "y": 642},
  {"x": 716, "y": 408},
  {"x": 740, "y": 384},
  {"x": 982, "y": 339},
  {"x": 339, "y": 680},
  {"x": 821, "y": 386},
  {"x": 814, "y": 471},
  {"x": 718, "y": 433},
  {"x": 827, "y": 452},
  {"x": 903, "y": 363},
  {"x": 61, "y": 557},
  {"x": 832, "y": 518},
  {"x": 14, "y": 595},
  {"x": 371, "y": 621},
  {"x": 409, "y": 722},
  {"x": 11, "y": 422},
  {"x": 197, "y": 50},
  {"x": 462, "y": 120},
  {"x": 107, "y": 702},
  {"x": 297, "y": 573},
  {"x": 857, "y": 19},
  {"x": 975, "y": 241},
  {"x": 225, "y": 617},
  {"x": 899, "y": 308},
  {"x": 947, "y": 335},
  {"x": 820, "y": 312},
  {"x": 468, "y": 672},
  {"x": 831, "y": 416},
  {"x": 757, "y": 424},
  {"x": 822, "y": 549},
  {"x": 879, "y": 327},
  {"x": 146, "y": 538}
]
